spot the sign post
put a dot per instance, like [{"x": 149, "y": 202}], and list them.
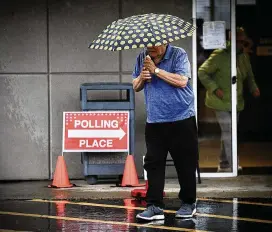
[{"x": 96, "y": 131}]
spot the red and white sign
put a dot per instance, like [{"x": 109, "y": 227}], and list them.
[{"x": 96, "y": 131}]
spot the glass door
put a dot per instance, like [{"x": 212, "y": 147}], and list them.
[{"x": 215, "y": 46}]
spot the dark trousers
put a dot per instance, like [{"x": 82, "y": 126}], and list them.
[{"x": 180, "y": 140}]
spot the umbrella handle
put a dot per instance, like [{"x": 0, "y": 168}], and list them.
[{"x": 148, "y": 81}]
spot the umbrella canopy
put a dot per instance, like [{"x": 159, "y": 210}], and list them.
[{"x": 141, "y": 31}]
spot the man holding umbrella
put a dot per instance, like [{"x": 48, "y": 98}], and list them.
[
  {"x": 162, "y": 70},
  {"x": 170, "y": 127}
]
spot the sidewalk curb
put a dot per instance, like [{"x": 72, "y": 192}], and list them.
[{"x": 238, "y": 187}]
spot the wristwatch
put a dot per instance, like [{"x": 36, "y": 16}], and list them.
[{"x": 157, "y": 70}]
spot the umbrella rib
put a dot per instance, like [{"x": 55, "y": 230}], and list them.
[
  {"x": 151, "y": 29},
  {"x": 122, "y": 30}
]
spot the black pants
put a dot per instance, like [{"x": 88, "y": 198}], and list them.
[{"x": 180, "y": 140}]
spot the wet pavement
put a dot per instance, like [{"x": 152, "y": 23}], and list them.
[{"x": 120, "y": 215}]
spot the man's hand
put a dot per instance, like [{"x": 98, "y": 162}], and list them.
[
  {"x": 256, "y": 93},
  {"x": 145, "y": 75},
  {"x": 138, "y": 83},
  {"x": 149, "y": 65},
  {"x": 219, "y": 93}
]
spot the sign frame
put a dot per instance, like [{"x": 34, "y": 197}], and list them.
[{"x": 96, "y": 112}]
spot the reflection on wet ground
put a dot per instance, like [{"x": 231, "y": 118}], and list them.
[{"x": 119, "y": 215}]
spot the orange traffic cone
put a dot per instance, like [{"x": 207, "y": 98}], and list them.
[
  {"x": 130, "y": 177},
  {"x": 61, "y": 179}
]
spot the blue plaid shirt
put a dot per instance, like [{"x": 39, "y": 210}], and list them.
[{"x": 164, "y": 102}]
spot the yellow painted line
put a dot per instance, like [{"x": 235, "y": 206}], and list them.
[
  {"x": 235, "y": 218},
  {"x": 239, "y": 202},
  {"x": 98, "y": 221},
  {"x": 4, "y": 230},
  {"x": 88, "y": 204},
  {"x": 166, "y": 211}
]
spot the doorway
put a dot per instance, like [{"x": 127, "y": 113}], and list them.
[
  {"x": 254, "y": 129},
  {"x": 215, "y": 74},
  {"x": 250, "y": 138}
]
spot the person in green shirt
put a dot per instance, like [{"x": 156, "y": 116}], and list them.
[{"x": 215, "y": 75}]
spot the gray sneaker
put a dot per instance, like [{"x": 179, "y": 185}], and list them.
[
  {"x": 186, "y": 211},
  {"x": 151, "y": 213}
]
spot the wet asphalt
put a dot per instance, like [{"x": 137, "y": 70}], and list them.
[{"x": 120, "y": 215}]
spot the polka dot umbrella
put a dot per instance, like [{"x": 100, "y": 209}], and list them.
[{"x": 141, "y": 31}]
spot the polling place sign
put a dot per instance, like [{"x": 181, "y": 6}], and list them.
[{"x": 96, "y": 131}]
